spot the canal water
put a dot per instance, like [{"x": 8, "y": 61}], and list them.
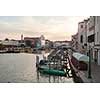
[{"x": 21, "y": 68}]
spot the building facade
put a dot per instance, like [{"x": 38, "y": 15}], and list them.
[
  {"x": 88, "y": 38},
  {"x": 97, "y": 40},
  {"x": 61, "y": 43},
  {"x": 9, "y": 45},
  {"x": 91, "y": 36},
  {"x": 33, "y": 42},
  {"x": 82, "y": 36},
  {"x": 74, "y": 42}
]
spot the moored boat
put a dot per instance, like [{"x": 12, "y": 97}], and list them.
[
  {"x": 46, "y": 70},
  {"x": 46, "y": 67}
]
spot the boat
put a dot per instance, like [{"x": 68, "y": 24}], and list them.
[
  {"x": 44, "y": 68},
  {"x": 43, "y": 62}
]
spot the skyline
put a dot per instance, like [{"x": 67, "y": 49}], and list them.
[{"x": 52, "y": 27}]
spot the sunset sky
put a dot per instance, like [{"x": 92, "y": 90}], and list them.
[{"x": 52, "y": 27}]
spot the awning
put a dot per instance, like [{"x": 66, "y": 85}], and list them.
[{"x": 81, "y": 57}]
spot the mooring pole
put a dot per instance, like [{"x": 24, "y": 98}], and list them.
[
  {"x": 37, "y": 61},
  {"x": 37, "y": 66},
  {"x": 89, "y": 66}
]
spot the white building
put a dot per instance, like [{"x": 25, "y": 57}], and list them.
[
  {"x": 10, "y": 42},
  {"x": 97, "y": 40},
  {"x": 91, "y": 35},
  {"x": 9, "y": 45},
  {"x": 91, "y": 31},
  {"x": 82, "y": 36}
]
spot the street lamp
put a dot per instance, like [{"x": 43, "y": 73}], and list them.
[{"x": 89, "y": 65}]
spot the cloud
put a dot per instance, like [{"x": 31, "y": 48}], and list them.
[{"x": 53, "y": 27}]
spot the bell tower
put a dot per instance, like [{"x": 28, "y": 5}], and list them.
[{"x": 22, "y": 37}]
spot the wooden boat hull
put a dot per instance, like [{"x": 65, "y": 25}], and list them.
[{"x": 46, "y": 70}]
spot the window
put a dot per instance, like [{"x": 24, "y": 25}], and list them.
[
  {"x": 81, "y": 39},
  {"x": 91, "y": 38},
  {"x": 81, "y": 26}
]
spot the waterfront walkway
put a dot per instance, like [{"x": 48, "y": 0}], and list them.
[{"x": 95, "y": 73}]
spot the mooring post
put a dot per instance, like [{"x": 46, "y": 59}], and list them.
[
  {"x": 37, "y": 61},
  {"x": 37, "y": 66},
  {"x": 89, "y": 66},
  {"x": 49, "y": 69}
]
